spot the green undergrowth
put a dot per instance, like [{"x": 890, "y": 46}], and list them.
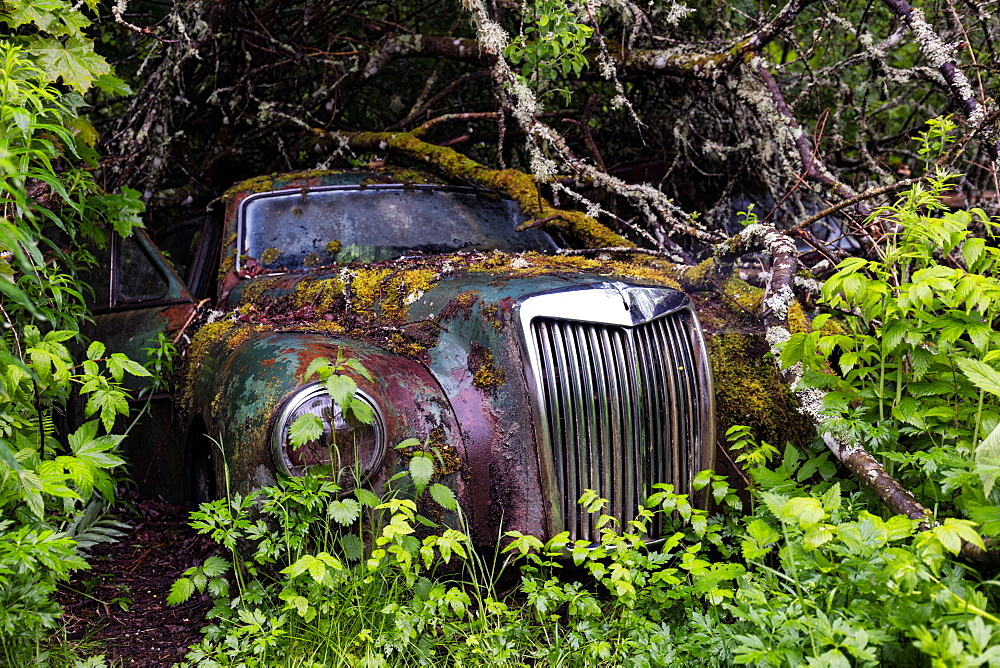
[{"x": 803, "y": 576}]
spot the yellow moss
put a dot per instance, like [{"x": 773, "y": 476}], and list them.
[
  {"x": 366, "y": 287},
  {"x": 255, "y": 289},
  {"x": 228, "y": 264},
  {"x": 333, "y": 247},
  {"x": 798, "y": 322},
  {"x": 699, "y": 276},
  {"x": 270, "y": 256},
  {"x": 326, "y": 326},
  {"x": 537, "y": 264},
  {"x": 743, "y": 294},
  {"x": 492, "y": 314},
  {"x": 240, "y": 336},
  {"x": 399, "y": 344},
  {"x": 201, "y": 343},
  {"x": 311, "y": 260},
  {"x": 392, "y": 291},
  {"x": 323, "y": 295},
  {"x": 519, "y": 186},
  {"x": 260, "y": 184},
  {"x": 485, "y": 372}
]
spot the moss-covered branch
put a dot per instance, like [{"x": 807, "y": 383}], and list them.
[
  {"x": 778, "y": 300},
  {"x": 522, "y": 188}
]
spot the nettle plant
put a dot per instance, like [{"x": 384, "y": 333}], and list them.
[{"x": 914, "y": 350}]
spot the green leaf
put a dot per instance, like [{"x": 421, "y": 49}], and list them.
[
  {"x": 953, "y": 531},
  {"x": 317, "y": 569},
  {"x": 806, "y": 509},
  {"x": 421, "y": 470},
  {"x": 763, "y": 536},
  {"x": 362, "y": 411},
  {"x": 972, "y": 250},
  {"x": 215, "y": 566},
  {"x": 314, "y": 367},
  {"x": 988, "y": 517},
  {"x": 119, "y": 363},
  {"x": 305, "y": 428},
  {"x": 95, "y": 351},
  {"x": 358, "y": 368},
  {"x": 341, "y": 389},
  {"x": 981, "y": 374},
  {"x": 345, "y": 511},
  {"x": 831, "y": 498},
  {"x": 55, "y": 17},
  {"x": 7, "y": 456},
  {"x": 75, "y": 60},
  {"x": 367, "y": 498},
  {"x": 816, "y": 536},
  {"x": 444, "y": 496},
  {"x": 988, "y": 454},
  {"x": 180, "y": 591},
  {"x": 111, "y": 84}
]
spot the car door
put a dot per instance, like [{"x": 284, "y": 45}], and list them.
[{"x": 137, "y": 296}]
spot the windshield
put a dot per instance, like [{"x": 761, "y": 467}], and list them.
[{"x": 296, "y": 230}]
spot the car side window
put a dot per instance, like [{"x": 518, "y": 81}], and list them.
[
  {"x": 139, "y": 280},
  {"x": 98, "y": 277}
]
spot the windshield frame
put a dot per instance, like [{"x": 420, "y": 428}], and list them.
[{"x": 241, "y": 240}]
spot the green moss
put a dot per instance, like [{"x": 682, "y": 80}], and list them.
[
  {"x": 254, "y": 289},
  {"x": 270, "y": 256},
  {"x": 486, "y": 374},
  {"x": 311, "y": 260},
  {"x": 749, "y": 390}
]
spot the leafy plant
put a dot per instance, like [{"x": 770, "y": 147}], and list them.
[
  {"x": 50, "y": 477},
  {"x": 914, "y": 379}
]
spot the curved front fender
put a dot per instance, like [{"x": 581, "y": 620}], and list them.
[{"x": 239, "y": 392}]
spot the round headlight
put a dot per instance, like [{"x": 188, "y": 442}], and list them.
[{"x": 352, "y": 449}]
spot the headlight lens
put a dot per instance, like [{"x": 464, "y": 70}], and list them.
[{"x": 352, "y": 449}]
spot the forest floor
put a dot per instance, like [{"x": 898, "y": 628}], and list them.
[{"x": 118, "y": 607}]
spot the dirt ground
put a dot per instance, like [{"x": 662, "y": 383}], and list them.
[{"x": 118, "y": 607}]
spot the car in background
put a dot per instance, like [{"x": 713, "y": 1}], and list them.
[{"x": 530, "y": 375}]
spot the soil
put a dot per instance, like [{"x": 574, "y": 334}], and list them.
[{"x": 118, "y": 606}]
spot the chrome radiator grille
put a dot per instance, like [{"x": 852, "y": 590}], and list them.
[{"x": 622, "y": 407}]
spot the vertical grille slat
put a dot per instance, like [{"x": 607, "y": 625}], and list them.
[{"x": 624, "y": 409}]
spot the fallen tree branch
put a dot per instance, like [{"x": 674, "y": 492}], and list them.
[
  {"x": 778, "y": 298},
  {"x": 521, "y": 187}
]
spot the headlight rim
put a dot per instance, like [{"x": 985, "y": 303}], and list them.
[{"x": 294, "y": 401}]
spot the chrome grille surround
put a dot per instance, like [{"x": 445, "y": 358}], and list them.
[{"x": 621, "y": 389}]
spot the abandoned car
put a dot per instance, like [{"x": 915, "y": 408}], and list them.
[{"x": 533, "y": 376}]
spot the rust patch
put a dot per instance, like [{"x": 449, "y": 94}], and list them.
[{"x": 461, "y": 305}]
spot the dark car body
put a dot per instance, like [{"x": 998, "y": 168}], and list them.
[{"x": 530, "y": 375}]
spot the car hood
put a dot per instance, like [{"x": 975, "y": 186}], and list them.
[{"x": 401, "y": 304}]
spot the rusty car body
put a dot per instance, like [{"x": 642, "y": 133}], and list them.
[{"x": 532, "y": 376}]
